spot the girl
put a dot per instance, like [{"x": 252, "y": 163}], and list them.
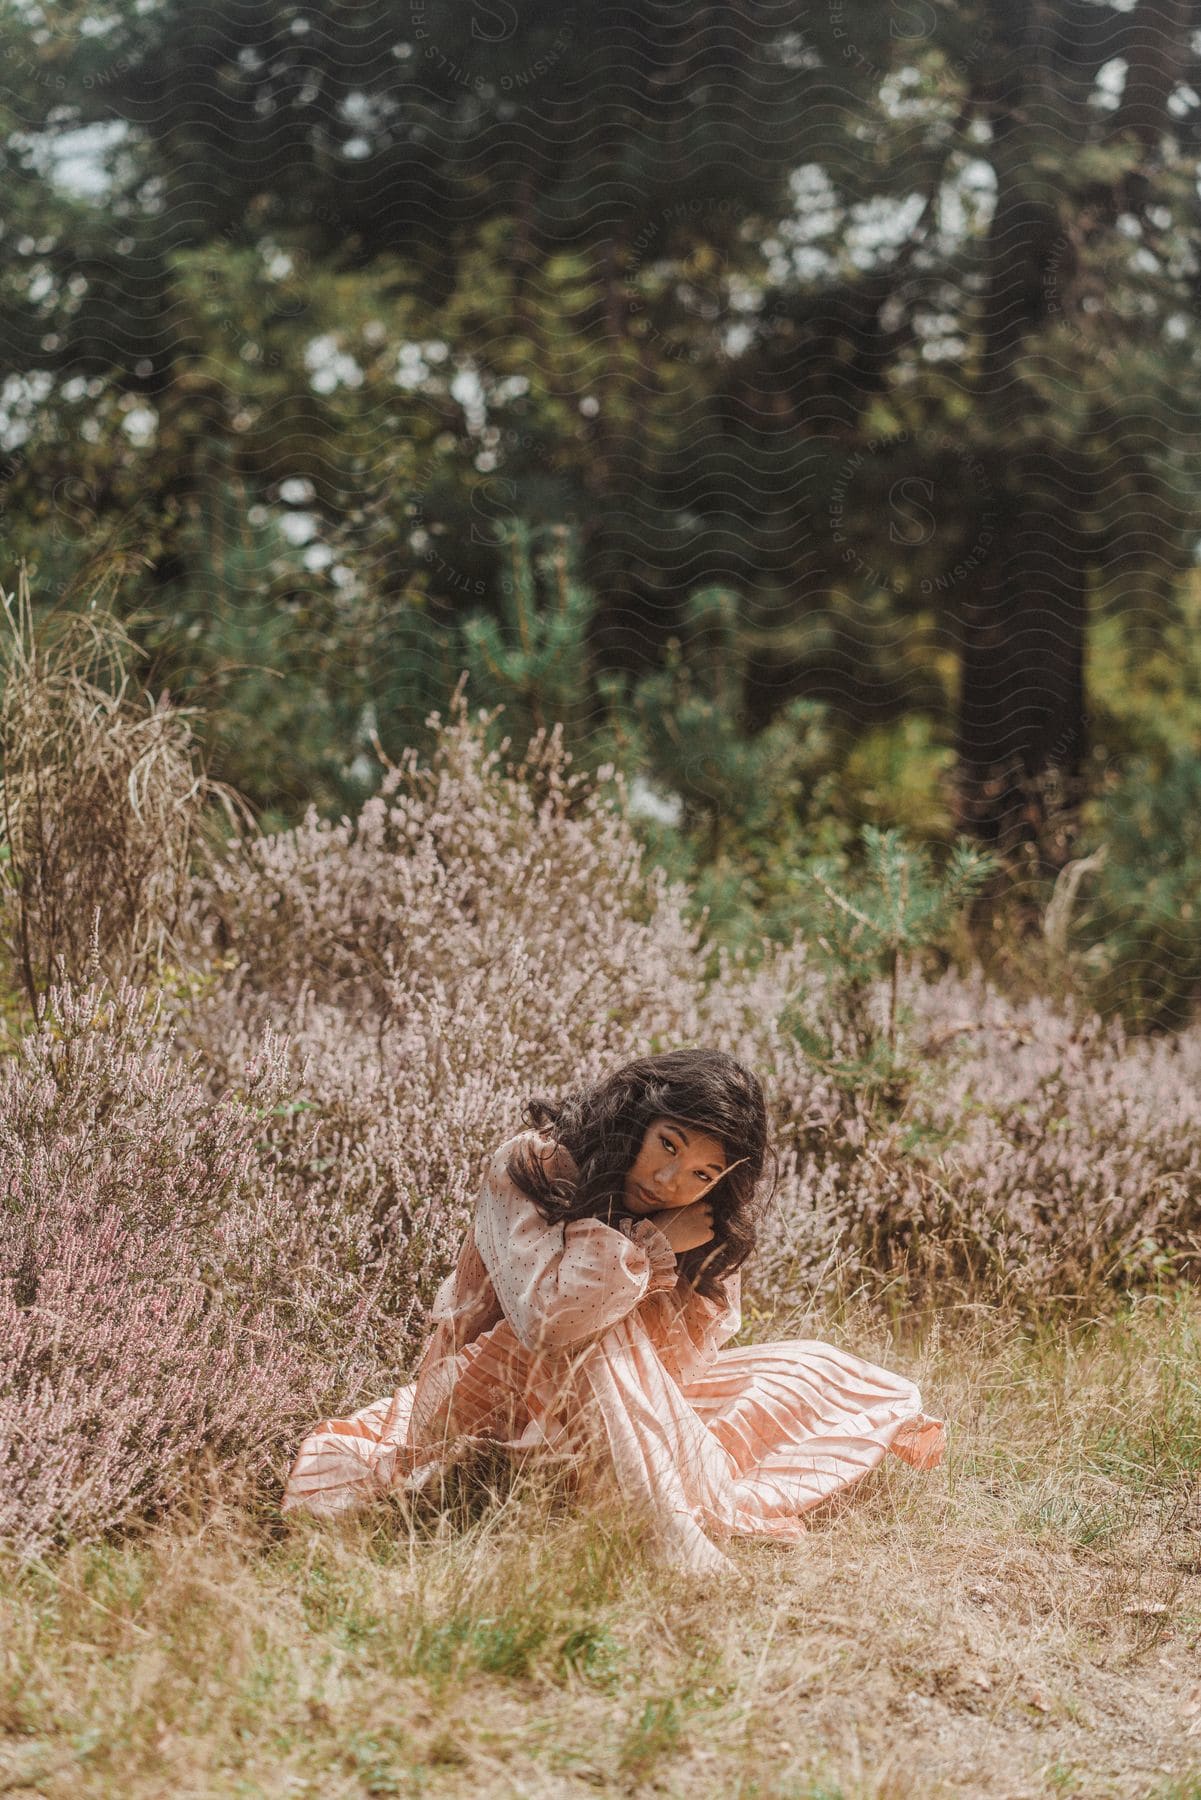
[{"x": 587, "y": 1313}]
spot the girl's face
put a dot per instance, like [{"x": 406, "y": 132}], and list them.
[{"x": 676, "y": 1165}]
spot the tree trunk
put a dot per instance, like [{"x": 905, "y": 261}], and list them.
[
  {"x": 1022, "y": 720},
  {"x": 1022, "y": 715},
  {"x": 1021, "y": 733}
]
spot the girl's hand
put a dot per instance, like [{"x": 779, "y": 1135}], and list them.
[{"x": 685, "y": 1227}]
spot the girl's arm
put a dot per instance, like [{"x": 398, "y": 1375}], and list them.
[{"x": 560, "y": 1285}]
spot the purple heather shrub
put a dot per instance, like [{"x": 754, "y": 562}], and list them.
[
  {"x": 1042, "y": 1155},
  {"x": 1074, "y": 1151},
  {"x": 223, "y": 1213},
  {"x": 477, "y": 931},
  {"x": 481, "y": 930},
  {"x": 140, "y": 1321}
]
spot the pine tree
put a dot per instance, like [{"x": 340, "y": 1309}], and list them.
[
  {"x": 533, "y": 660},
  {"x": 866, "y": 928}
]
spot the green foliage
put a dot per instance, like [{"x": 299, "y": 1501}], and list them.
[
  {"x": 742, "y": 815},
  {"x": 680, "y": 732},
  {"x": 691, "y": 716},
  {"x": 752, "y": 806},
  {"x": 283, "y": 633},
  {"x": 1137, "y": 931},
  {"x": 506, "y": 1645},
  {"x": 899, "y": 771},
  {"x": 864, "y": 925},
  {"x": 1146, "y": 678},
  {"x": 592, "y": 1654},
  {"x": 279, "y": 663},
  {"x": 654, "y": 1734},
  {"x": 515, "y": 1643},
  {"x": 533, "y": 659}
]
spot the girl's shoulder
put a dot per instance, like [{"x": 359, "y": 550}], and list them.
[
  {"x": 504, "y": 1209},
  {"x": 503, "y": 1196},
  {"x": 533, "y": 1141},
  {"x": 499, "y": 1187},
  {"x": 524, "y": 1143}
]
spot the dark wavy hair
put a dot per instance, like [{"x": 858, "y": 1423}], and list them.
[{"x": 602, "y": 1128}]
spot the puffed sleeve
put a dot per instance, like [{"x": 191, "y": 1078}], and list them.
[{"x": 560, "y": 1285}]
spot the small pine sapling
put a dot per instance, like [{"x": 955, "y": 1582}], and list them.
[{"x": 863, "y": 932}]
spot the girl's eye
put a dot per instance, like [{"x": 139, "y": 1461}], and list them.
[{"x": 667, "y": 1143}]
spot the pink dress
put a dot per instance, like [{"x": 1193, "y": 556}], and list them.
[{"x": 576, "y": 1338}]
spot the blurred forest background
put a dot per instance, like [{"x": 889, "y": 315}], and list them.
[{"x": 799, "y": 404}]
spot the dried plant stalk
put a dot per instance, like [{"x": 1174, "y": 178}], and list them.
[{"x": 103, "y": 804}]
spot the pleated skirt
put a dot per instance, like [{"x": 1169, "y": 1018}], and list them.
[{"x": 762, "y": 1435}]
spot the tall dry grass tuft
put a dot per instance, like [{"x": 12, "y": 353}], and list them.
[{"x": 102, "y": 801}]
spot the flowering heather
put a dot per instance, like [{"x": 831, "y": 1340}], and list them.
[
  {"x": 471, "y": 934},
  {"x": 226, "y": 1211},
  {"x": 477, "y": 932},
  {"x": 1039, "y": 1156},
  {"x": 136, "y": 1329}
]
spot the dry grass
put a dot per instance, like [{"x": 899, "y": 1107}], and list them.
[
  {"x": 103, "y": 803},
  {"x": 1024, "y": 1621}
]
